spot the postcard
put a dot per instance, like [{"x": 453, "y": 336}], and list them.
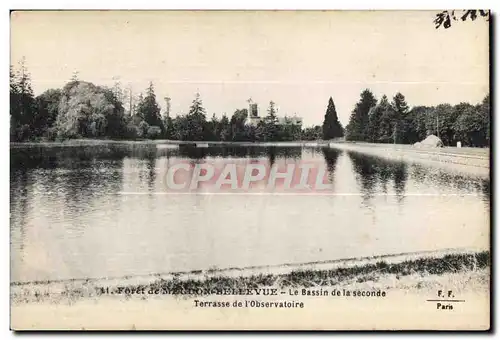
[{"x": 250, "y": 170}]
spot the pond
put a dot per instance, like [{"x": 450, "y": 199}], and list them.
[{"x": 105, "y": 211}]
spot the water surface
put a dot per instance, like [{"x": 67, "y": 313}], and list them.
[{"x": 74, "y": 213}]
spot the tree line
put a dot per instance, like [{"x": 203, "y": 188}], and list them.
[
  {"x": 84, "y": 110},
  {"x": 395, "y": 122}
]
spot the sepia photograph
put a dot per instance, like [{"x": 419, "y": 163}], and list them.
[{"x": 250, "y": 170}]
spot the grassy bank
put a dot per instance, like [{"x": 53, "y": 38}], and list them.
[
  {"x": 470, "y": 161},
  {"x": 464, "y": 270}
]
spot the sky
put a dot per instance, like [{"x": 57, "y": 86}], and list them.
[{"x": 298, "y": 59}]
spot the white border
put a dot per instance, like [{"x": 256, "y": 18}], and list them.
[
  {"x": 186, "y": 4},
  {"x": 254, "y": 4}
]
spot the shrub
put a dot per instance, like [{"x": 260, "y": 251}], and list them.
[
  {"x": 153, "y": 132},
  {"x": 142, "y": 129},
  {"x": 23, "y": 132},
  {"x": 51, "y": 134}
]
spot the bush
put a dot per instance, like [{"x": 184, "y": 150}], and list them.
[
  {"x": 23, "y": 132},
  {"x": 142, "y": 130},
  {"x": 131, "y": 131},
  {"x": 154, "y": 132},
  {"x": 51, "y": 134}
]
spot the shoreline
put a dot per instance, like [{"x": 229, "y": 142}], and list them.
[
  {"x": 94, "y": 142},
  {"x": 423, "y": 269},
  {"x": 468, "y": 152},
  {"x": 469, "y": 161},
  {"x": 464, "y": 151}
]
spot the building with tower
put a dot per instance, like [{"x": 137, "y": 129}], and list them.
[
  {"x": 254, "y": 116},
  {"x": 167, "y": 111}
]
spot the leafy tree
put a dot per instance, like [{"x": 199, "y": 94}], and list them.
[
  {"x": 180, "y": 128},
  {"x": 47, "y": 109},
  {"x": 87, "y": 110},
  {"x": 261, "y": 132},
  {"x": 153, "y": 132},
  {"x": 470, "y": 127},
  {"x": 331, "y": 125},
  {"x": 115, "y": 118},
  {"x": 250, "y": 133},
  {"x": 143, "y": 129},
  {"x": 211, "y": 129},
  {"x": 237, "y": 123},
  {"x": 415, "y": 124},
  {"x": 288, "y": 131},
  {"x": 484, "y": 109},
  {"x": 357, "y": 129},
  {"x": 445, "y": 117},
  {"x": 312, "y": 133},
  {"x": 225, "y": 129}
]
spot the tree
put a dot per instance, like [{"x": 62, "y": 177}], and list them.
[
  {"x": 470, "y": 127},
  {"x": 14, "y": 103},
  {"x": 149, "y": 110},
  {"x": 331, "y": 125},
  {"x": 271, "y": 110},
  {"x": 117, "y": 90},
  {"x": 416, "y": 124},
  {"x": 22, "y": 101},
  {"x": 312, "y": 133},
  {"x": 267, "y": 129},
  {"x": 211, "y": 129},
  {"x": 26, "y": 96},
  {"x": 87, "y": 110},
  {"x": 143, "y": 129},
  {"x": 115, "y": 118},
  {"x": 169, "y": 127},
  {"x": 196, "y": 119},
  {"x": 444, "y": 117},
  {"x": 374, "y": 130},
  {"x": 484, "y": 109},
  {"x": 289, "y": 131},
  {"x": 180, "y": 128},
  {"x": 224, "y": 128},
  {"x": 386, "y": 131},
  {"x": 14, "y": 92},
  {"x": 400, "y": 110},
  {"x": 357, "y": 128},
  {"x": 237, "y": 123},
  {"x": 46, "y": 113}
]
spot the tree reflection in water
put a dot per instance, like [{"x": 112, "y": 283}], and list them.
[
  {"x": 331, "y": 156},
  {"x": 373, "y": 172}
]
